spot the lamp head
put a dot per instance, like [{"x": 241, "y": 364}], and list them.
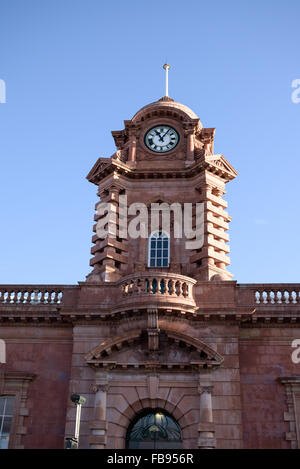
[{"x": 77, "y": 399}]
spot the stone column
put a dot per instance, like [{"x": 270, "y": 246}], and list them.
[
  {"x": 206, "y": 429},
  {"x": 132, "y": 148},
  {"x": 190, "y": 143},
  {"x": 97, "y": 439}
]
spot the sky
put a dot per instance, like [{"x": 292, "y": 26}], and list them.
[{"x": 74, "y": 70}]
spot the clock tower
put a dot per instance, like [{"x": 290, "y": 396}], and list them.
[
  {"x": 164, "y": 155},
  {"x": 167, "y": 351}
]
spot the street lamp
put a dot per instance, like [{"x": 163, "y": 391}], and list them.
[{"x": 73, "y": 443}]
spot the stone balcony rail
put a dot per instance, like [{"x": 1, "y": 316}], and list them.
[
  {"x": 158, "y": 287},
  {"x": 277, "y": 295},
  {"x": 31, "y": 294},
  {"x": 274, "y": 296}
]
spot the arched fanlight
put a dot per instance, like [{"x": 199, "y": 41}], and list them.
[{"x": 154, "y": 429}]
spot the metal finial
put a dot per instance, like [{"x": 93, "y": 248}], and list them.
[{"x": 167, "y": 67}]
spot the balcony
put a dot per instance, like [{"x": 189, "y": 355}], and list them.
[{"x": 158, "y": 289}]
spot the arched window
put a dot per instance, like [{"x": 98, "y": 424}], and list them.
[
  {"x": 154, "y": 429},
  {"x": 159, "y": 249}
]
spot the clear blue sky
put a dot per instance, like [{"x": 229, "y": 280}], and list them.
[{"x": 75, "y": 69}]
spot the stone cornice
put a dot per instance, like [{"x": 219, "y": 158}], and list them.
[
  {"x": 216, "y": 164},
  {"x": 249, "y": 304}
]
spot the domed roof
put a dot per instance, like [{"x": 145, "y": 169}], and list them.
[{"x": 166, "y": 102}]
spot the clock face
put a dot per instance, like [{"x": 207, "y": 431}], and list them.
[{"x": 161, "y": 139}]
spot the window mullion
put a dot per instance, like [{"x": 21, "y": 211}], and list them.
[{"x": 3, "y": 416}]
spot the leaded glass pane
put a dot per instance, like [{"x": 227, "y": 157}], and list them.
[
  {"x": 6, "y": 413},
  {"x": 159, "y": 250},
  {"x": 154, "y": 430},
  {"x": 6, "y": 426}
]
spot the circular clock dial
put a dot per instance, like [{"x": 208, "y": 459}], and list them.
[{"x": 161, "y": 139}]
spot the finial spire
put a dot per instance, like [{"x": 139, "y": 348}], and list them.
[{"x": 166, "y": 67}]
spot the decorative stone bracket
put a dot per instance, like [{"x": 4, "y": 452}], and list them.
[{"x": 153, "y": 329}]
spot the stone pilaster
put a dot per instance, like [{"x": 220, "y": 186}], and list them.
[
  {"x": 190, "y": 146},
  {"x": 98, "y": 427},
  {"x": 206, "y": 429}
]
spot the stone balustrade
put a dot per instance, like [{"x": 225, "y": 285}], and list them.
[
  {"x": 30, "y": 295},
  {"x": 277, "y": 295},
  {"x": 158, "y": 289},
  {"x": 158, "y": 285}
]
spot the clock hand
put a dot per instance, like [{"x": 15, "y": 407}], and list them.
[
  {"x": 160, "y": 137},
  {"x": 158, "y": 133},
  {"x": 165, "y": 133}
]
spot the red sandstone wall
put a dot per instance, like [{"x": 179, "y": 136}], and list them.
[
  {"x": 46, "y": 352},
  {"x": 265, "y": 355}
]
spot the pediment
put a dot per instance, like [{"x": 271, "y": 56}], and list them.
[
  {"x": 100, "y": 165},
  {"x": 220, "y": 163},
  {"x": 105, "y": 166},
  {"x": 176, "y": 351}
]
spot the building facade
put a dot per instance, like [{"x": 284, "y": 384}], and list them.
[{"x": 168, "y": 349}]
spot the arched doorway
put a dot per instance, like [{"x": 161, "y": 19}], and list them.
[{"x": 154, "y": 429}]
